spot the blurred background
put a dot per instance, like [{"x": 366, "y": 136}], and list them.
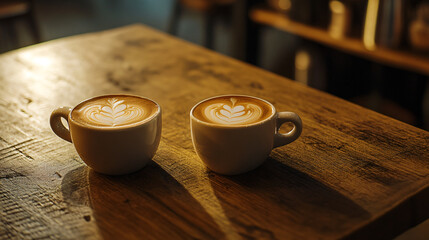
[{"x": 374, "y": 53}]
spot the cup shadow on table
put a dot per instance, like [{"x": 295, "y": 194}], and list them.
[
  {"x": 149, "y": 202},
  {"x": 277, "y": 196}
]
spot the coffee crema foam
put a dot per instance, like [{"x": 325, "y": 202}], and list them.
[
  {"x": 114, "y": 111},
  {"x": 233, "y": 110}
]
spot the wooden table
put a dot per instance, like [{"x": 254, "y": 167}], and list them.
[{"x": 353, "y": 173}]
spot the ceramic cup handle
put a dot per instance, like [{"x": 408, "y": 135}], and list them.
[
  {"x": 283, "y": 139},
  {"x": 56, "y": 124}
]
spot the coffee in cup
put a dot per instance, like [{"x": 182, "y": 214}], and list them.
[
  {"x": 114, "y": 111},
  {"x": 113, "y": 134},
  {"x": 233, "y": 134},
  {"x": 233, "y": 111}
]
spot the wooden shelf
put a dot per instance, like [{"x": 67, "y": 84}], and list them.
[{"x": 394, "y": 58}]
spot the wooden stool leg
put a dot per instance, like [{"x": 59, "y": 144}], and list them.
[
  {"x": 239, "y": 15},
  {"x": 252, "y": 38},
  {"x": 376, "y": 86},
  {"x": 208, "y": 30},
  {"x": 12, "y": 34},
  {"x": 32, "y": 22},
  {"x": 173, "y": 25},
  {"x": 34, "y": 28},
  {"x": 3, "y": 39},
  {"x": 426, "y": 107}
]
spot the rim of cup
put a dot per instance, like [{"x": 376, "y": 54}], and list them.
[
  {"x": 215, "y": 125},
  {"x": 115, "y": 128}
]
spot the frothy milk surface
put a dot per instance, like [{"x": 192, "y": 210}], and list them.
[
  {"x": 233, "y": 110},
  {"x": 114, "y": 111}
]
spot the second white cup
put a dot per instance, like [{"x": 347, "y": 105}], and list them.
[{"x": 233, "y": 134}]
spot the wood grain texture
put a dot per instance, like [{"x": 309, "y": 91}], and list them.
[{"x": 353, "y": 173}]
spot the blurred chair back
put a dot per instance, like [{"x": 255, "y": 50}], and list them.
[
  {"x": 14, "y": 11},
  {"x": 210, "y": 10}
]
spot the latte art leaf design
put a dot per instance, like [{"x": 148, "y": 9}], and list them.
[
  {"x": 243, "y": 113},
  {"x": 113, "y": 113}
]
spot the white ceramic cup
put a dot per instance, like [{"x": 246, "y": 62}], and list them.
[
  {"x": 111, "y": 150},
  {"x": 231, "y": 150}
]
